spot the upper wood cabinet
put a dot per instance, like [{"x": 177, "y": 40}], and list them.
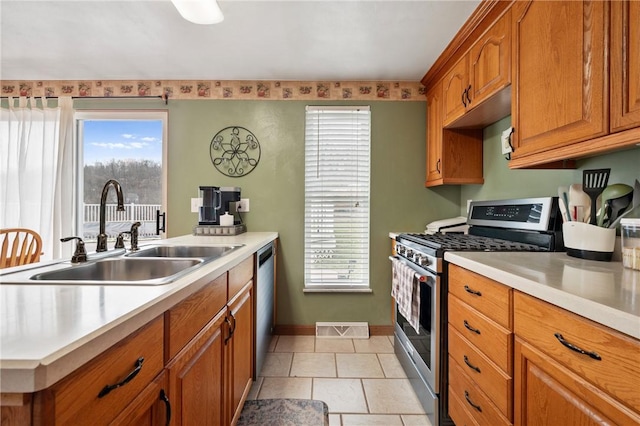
[
  {"x": 482, "y": 73},
  {"x": 454, "y": 91},
  {"x": 558, "y": 73},
  {"x": 625, "y": 65},
  {"x": 434, "y": 134}
]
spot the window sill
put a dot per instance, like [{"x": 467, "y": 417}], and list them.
[{"x": 337, "y": 290}]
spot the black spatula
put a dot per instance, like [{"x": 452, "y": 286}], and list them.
[{"x": 593, "y": 183}]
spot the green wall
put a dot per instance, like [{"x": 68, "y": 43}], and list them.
[
  {"x": 500, "y": 182},
  {"x": 399, "y": 200}
]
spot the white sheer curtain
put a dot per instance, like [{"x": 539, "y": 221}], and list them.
[{"x": 37, "y": 170}]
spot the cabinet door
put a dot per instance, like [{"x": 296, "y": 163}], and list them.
[
  {"x": 454, "y": 92},
  {"x": 490, "y": 61},
  {"x": 625, "y": 65},
  {"x": 559, "y": 75},
  {"x": 151, "y": 407},
  {"x": 196, "y": 377},
  {"x": 240, "y": 350},
  {"x": 548, "y": 393},
  {"x": 434, "y": 133}
]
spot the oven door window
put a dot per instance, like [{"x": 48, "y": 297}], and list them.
[{"x": 421, "y": 340}]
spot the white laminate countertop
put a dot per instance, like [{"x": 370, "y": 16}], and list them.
[
  {"x": 47, "y": 331},
  {"x": 604, "y": 292}
]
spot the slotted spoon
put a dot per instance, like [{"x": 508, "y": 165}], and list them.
[{"x": 593, "y": 183}]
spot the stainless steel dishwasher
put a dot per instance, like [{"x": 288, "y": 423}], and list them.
[{"x": 265, "y": 293}]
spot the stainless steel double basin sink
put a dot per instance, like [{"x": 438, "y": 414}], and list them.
[{"x": 151, "y": 265}]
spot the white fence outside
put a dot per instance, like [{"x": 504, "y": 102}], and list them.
[{"x": 117, "y": 222}]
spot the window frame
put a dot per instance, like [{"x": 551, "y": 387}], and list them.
[{"x": 114, "y": 115}]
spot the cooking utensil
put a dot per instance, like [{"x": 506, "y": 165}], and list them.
[
  {"x": 563, "y": 202},
  {"x": 611, "y": 192},
  {"x": 578, "y": 202},
  {"x": 593, "y": 183},
  {"x": 634, "y": 204},
  {"x": 618, "y": 205}
]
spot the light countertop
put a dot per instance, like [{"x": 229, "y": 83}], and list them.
[
  {"x": 604, "y": 292},
  {"x": 47, "y": 331}
]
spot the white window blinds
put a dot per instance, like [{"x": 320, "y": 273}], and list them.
[{"x": 336, "y": 214}]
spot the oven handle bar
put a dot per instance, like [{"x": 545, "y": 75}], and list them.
[{"x": 419, "y": 277}]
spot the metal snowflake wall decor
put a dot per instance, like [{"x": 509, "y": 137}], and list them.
[{"x": 235, "y": 151}]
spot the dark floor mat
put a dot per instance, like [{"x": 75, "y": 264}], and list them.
[{"x": 284, "y": 412}]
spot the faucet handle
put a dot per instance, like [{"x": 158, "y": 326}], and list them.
[
  {"x": 120, "y": 240},
  {"x": 80, "y": 254},
  {"x": 134, "y": 235}
]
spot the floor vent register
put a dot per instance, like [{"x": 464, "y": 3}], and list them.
[{"x": 347, "y": 330}]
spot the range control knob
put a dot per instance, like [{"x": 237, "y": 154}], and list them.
[{"x": 424, "y": 261}]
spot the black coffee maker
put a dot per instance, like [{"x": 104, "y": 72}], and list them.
[
  {"x": 217, "y": 201},
  {"x": 211, "y": 204}
]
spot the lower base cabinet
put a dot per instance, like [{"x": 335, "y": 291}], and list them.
[
  {"x": 193, "y": 365},
  {"x": 196, "y": 377},
  {"x": 240, "y": 352}
]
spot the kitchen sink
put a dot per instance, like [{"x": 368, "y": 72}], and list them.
[
  {"x": 205, "y": 252},
  {"x": 129, "y": 271}
]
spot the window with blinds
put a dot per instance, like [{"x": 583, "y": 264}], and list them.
[{"x": 336, "y": 185}]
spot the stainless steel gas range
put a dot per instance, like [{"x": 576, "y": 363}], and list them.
[{"x": 531, "y": 224}]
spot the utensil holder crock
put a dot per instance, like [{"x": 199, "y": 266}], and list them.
[{"x": 588, "y": 241}]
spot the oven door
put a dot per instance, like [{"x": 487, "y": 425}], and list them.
[{"x": 422, "y": 346}]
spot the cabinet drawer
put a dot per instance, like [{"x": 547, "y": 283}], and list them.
[
  {"x": 75, "y": 400},
  {"x": 483, "y": 294},
  {"x": 478, "y": 405},
  {"x": 495, "y": 341},
  {"x": 617, "y": 372},
  {"x": 459, "y": 413},
  {"x": 239, "y": 276},
  {"x": 492, "y": 380},
  {"x": 188, "y": 317}
]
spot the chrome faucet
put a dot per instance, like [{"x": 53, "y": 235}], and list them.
[{"x": 102, "y": 236}]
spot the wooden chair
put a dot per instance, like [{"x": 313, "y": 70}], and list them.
[{"x": 19, "y": 246}]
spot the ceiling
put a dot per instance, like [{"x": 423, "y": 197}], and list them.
[{"x": 258, "y": 40}]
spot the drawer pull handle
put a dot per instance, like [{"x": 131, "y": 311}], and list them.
[
  {"x": 577, "y": 349},
  {"x": 476, "y": 406},
  {"x": 108, "y": 388},
  {"x": 472, "y": 291},
  {"x": 471, "y": 366},
  {"x": 468, "y": 327},
  {"x": 164, "y": 398}
]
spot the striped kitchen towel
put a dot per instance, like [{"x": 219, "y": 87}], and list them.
[{"x": 405, "y": 288}]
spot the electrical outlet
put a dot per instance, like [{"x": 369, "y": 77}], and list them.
[
  {"x": 196, "y": 203},
  {"x": 505, "y": 140},
  {"x": 243, "y": 205}
]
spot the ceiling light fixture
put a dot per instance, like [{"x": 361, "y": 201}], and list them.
[{"x": 203, "y": 12}]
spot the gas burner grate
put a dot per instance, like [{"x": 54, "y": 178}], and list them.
[{"x": 464, "y": 242}]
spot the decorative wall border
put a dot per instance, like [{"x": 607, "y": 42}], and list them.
[{"x": 222, "y": 89}]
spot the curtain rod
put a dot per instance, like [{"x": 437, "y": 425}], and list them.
[{"x": 164, "y": 97}]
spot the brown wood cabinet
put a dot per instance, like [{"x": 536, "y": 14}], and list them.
[
  {"x": 571, "y": 370},
  {"x": 193, "y": 365},
  {"x": 472, "y": 93},
  {"x": 483, "y": 72},
  {"x": 240, "y": 352},
  {"x": 105, "y": 386},
  {"x": 625, "y": 65},
  {"x": 568, "y": 72},
  {"x": 434, "y": 134},
  {"x": 196, "y": 376},
  {"x": 559, "y": 74},
  {"x": 480, "y": 349}
]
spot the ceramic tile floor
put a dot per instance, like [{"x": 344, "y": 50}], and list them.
[{"x": 361, "y": 380}]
